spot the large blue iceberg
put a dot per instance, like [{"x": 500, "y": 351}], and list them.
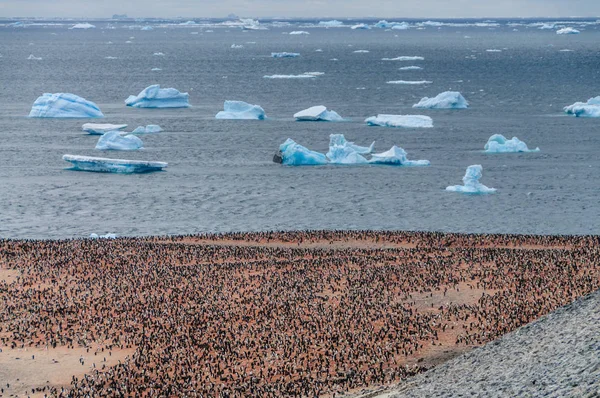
[
  {"x": 499, "y": 144},
  {"x": 113, "y": 140},
  {"x": 591, "y": 108},
  {"x": 101, "y": 128},
  {"x": 156, "y": 97},
  {"x": 293, "y": 154},
  {"x": 396, "y": 156},
  {"x": 407, "y": 121},
  {"x": 241, "y": 110},
  {"x": 340, "y": 140},
  {"x": 104, "y": 165},
  {"x": 471, "y": 182},
  {"x": 318, "y": 113},
  {"x": 445, "y": 100},
  {"x": 64, "y": 105}
]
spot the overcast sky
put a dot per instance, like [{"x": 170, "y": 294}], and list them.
[{"x": 396, "y": 9}]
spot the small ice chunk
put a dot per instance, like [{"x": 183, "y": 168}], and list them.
[
  {"x": 410, "y": 68},
  {"x": 329, "y": 24},
  {"x": 285, "y": 55},
  {"x": 344, "y": 154},
  {"x": 110, "y": 57},
  {"x": 299, "y": 32},
  {"x": 360, "y": 26},
  {"x": 113, "y": 140},
  {"x": 361, "y": 51},
  {"x": 64, "y": 105},
  {"x": 237, "y": 46},
  {"x": 591, "y": 108},
  {"x": 289, "y": 76},
  {"x": 156, "y": 97},
  {"x": 147, "y": 27},
  {"x": 107, "y": 236},
  {"x": 105, "y": 165},
  {"x": 404, "y": 58},
  {"x": 471, "y": 182},
  {"x": 396, "y": 156},
  {"x": 318, "y": 113},
  {"x": 401, "y": 26},
  {"x": 493, "y": 50},
  {"x": 407, "y": 121},
  {"x": 149, "y": 129},
  {"x": 293, "y": 154},
  {"x": 84, "y": 25},
  {"x": 340, "y": 140},
  {"x": 567, "y": 31},
  {"x": 445, "y": 100},
  {"x": 155, "y": 69},
  {"x": 241, "y": 110},
  {"x": 159, "y": 54},
  {"x": 101, "y": 128},
  {"x": 408, "y": 82},
  {"x": 33, "y": 57},
  {"x": 497, "y": 143}
]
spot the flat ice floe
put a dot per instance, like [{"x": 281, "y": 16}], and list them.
[
  {"x": 303, "y": 76},
  {"x": 101, "y": 128},
  {"x": 404, "y": 58},
  {"x": 113, "y": 140},
  {"x": 410, "y": 68},
  {"x": 285, "y": 55},
  {"x": 445, "y": 100},
  {"x": 497, "y": 143},
  {"x": 407, "y": 121},
  {"x": 156, "y": 97},
  {"x": 396, "y": 156},
  {"x": 82, "y": 26},
  {"x": 149, "y": 129},
  {"x": 299, "y": 32},
  {"x": 105, "y": 165},
  {"x": 241, "y": 110},
  {"x": 471, "y": 182},
  {"x": 567, "y": 31},
  {"x": 64, "y": 105},
  {"x": 409, "y": 82},
  {"x": 591, "y": 108},
  {"x": 318, "y": 113},
  {"x": 293, "y": 154}
]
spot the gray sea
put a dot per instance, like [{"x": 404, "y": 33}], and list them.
[{"x": 221, "y": 176}]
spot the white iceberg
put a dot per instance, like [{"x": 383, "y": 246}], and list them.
[
  {"x": 497, "y": 143},
  {"x": 304, "y": 76},
  {"x": 101, "y": 128},
  {"x": 471, "y": 182},
  {"x": 241, "y": 110},
  {"x": 410, "y": 68},
  {"x": 383, "y": 24},
  {"x": 318, "y": 113},
  {"x": 82, "y": 26},
  {"x": 34, "y": 58},
  {"x": 149, "y": 129},
  {"x": 156, "y": 97},
  {"x": 299, "y": 32},
  {"x": 331, "y": 24},
  {"x": 591, "y": 108},
  {"x": 113, "y": 140},
  {"x": 107, "y": 236},
  {"x": 344, "y": 154},
  {"x": 361, "y": 51},
  {"x": 407, "y": 121},
  {"x": 294, "y": 154},
  {"x": 64, "y": 105},
  {"x": 361, "y": 26},
  {"x": 155, "y": 69},
  {"x": 147, "y": 27},
  {"x": 105, "y": 165},
  {"x": 340, "y": 140},
  {"x": 404, "y": 58},
  {"x": 285, "y": 55},
  {"x": 445, "y": 100},
  {"x": 401, "y": 26},
  {"x": 567, "y": 31},
  {"x": 159, "y": 54},
  {"x": 409, "y": 82},
  {"x": 396, "y": 156},
  {"x": 237, "y": 46}
]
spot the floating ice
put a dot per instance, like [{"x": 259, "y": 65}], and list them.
[
  {"x": 445, "y": 100},
  {"x": 416, "y": 82},
  {"x": 304, "y": 76},
  {"x": 314, "y": 73},
  {"x": 188, "y": 23},
  {"x": 567, "y": 31},
  {"x": 401, "y": 26},
  {"x": 293, "y": 154},
  {"x": 361, "y": 26},
  {"x": 329, "y": 24},
  {"x": 156, "y": 97},
  {"x": 155, "y": 70},
  {"x": 105, "y": 165},
  {"x": 110, "y": 57},
  {"x": 343, "y": 154},
  {"x": 299, "y": 32},
  {"x": 107, "y": 236},
  {"x": 396, "y": 156},
  {"x": 497, "y": 143},
  {"x": 159, "y": 54},
  {"x": 340, "y": 140},
  {"x": 407, "y": 121},
  {"x": 113, "y": 140},
  {"x": 361, "y": 51},
  {"x": 64, "y": 105},
  {"x": 147, "y": 27},
  {"x": 285, "y": 55},
  {"x": 33, "y": 57},
  {"x": 241, "y": 110},
  {"x": 591, "y": 108},
  {"x": 471, "y": 182},
  {"x": 318, "y": 113},
  {"x": 237, "y": 46},
  {"x": 149, "y": 129},
  {"x": 101, "y": 128},
  {"x": 383, "y": 24},
  {"x": 404, "y": 58},
  {"x": 493, "y": 50},
  {"x": 82, "y": 26},
  {"x": 410, "y": 68}
]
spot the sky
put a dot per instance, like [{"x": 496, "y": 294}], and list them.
[{"x": 390, "y": 9}]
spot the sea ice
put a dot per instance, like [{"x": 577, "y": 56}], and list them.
[
  {"x": 340, "y": 140},
  {"x": 445, "y": 100},
  {"x": 400, "y": 26},
  {"x": 361, "y": 26},
  {"x": 33, "y": 57},
  {"x": 417, "y": 82},
  {"x": 329, "y": 24},
  {"x": 107, "y": 236},
  {"x": 591, "y": 108},
  {"x": 101, "y": 128},
  {"x": 396, "y": 156},
  {"x": 82, "y": 26},
  {"x": 497, "y": 143},
  {"x": 404, "y": 58},
  {"x": 241, "y": 110},
  {"x": 113, "y": 140},
  {"x": 105, "y": 165},
  {"x": 471, "y": 182},
  {"x": 299, "y": 32},
  {"x": 159, "y": 54},
  {"x": 147, "y": 27},
  {"x": 155, "y": 69},
  {"x": 567, "y": 31},
  {"x": 407, "y": 121},
  {"x": 237, "y": 46},
  {"x": 361, "y": 51},
  {"x": 293, "y": 154},
  {"x": 344, "y": 154},
  {"x": 285, "y": 55},
  {"x": 156, "y": 97},
  {"x": 149, "y": 129},
  {"x": 304, "y": 76},
  {"x": 410, "y": 68},
  {"x": 64, "y": 105},
  {"x": 318, "y": 113}
]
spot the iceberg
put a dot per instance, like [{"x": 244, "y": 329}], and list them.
[
  {"x": 241, "y": 110},
  {"x": 34, "y": 58},
  {"x": 101, "y": 128},
  {"x": 293, "y": 154},
  {"x": 299, "y": 32},
  {"x": 344, "y": 154},
  {"x": 330, "y": 24},
  {"x": 445, "y": 100},
  {"x": 396, "y": 156},
  {"x": 361, "y": 51},
  {"x": 497, "y": 143},
  {"x": 404, "y": 58},
  {"x": 318, "y": 113},
  {"x": 340, "y": 140},
  {"x": 407, "y": 121},
  {"x": 107, "y": 236},
  {"x": 567, "y": 31},
  {"x": 383, "y": 24},
  {"x": 82, "y": 26},
  {"x": 159, "y": 54},
  {"x": 105, "y": 165},
  {"x": 285, "y": 55},
  {"x": 591, "y": 108},
  {"x": 113, "y": 140},
  {"x": 471, "y": 182},
  {"x": 410, "y": 68},
  {"x": 155, "y": 69},
  {"x": 149, "y": 129},
  {"x": 156, "y": 97},
  {"x": 304, "y": 76},
  {"x": 64, "y": 105},
  {"x": 401, "y": 26},
  {"x": 237, "y": 46},
  {"x": 361, "y": 26},
  {"x": 408, "y": 82},
  {"x": 147, "y": 27}
]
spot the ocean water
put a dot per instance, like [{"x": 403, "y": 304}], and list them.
[{"x": 221, "y": 176}]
